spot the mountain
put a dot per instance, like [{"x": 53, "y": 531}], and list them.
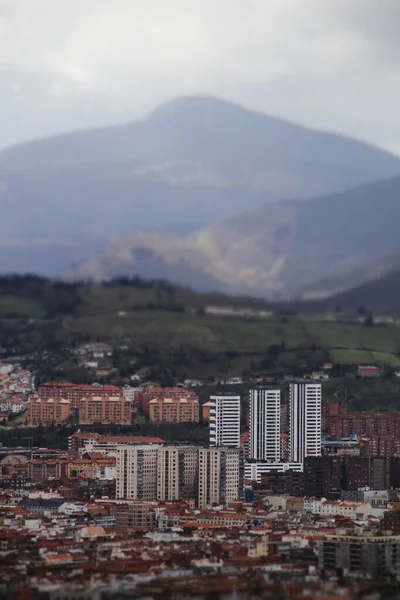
[
  {"x": 286, "y": 250},
  {"x": 379, "y": 295},
  {"x": 193, "y": 162}
]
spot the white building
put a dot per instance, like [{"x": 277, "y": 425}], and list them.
[
  {"x": 130, "y": 393},
  {"x": 253, "y": 471},
  {"x": 225, "y": 421},
  {"x": 304, "y": 421},
  {"x": 265, "y": 424}
]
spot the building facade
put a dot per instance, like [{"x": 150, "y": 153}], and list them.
[
  {"x": 328, "y": 476},
  {"x": 372, "y": 556},
  {"x": 144, "y": 396},
  {"x": 74, "y": 393},
  {"x": 177, "y": 473},
  {"x": 137, "y": 472},
  {"x": 105, "y": 410},
  {"x": 47, "y": 412},
  {"x": 175, "y": 410},
  {"x": 220, "y": 476},
  {"x": 225, "y": 421},
  {"x": 264, "y": 425},
  {"x": 304, "y": 421}
]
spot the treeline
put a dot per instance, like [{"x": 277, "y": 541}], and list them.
[{"x": 57, "y": 437}]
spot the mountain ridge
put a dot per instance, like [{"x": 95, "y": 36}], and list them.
[
  {"x": 198, "y": 161},
  {"x": 282, "y": 250}
]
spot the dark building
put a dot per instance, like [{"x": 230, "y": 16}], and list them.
[
  {"x": 391, "y": 522},
  {"x": 394, "y": 470},
  {"x": 327, "y": 476},
  {"x": 286, "y": 484}
]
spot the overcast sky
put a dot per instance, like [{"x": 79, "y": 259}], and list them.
[{"x": 332, "y": 64}]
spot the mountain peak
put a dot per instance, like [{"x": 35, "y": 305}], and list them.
[{"x": 201, "y": 105}]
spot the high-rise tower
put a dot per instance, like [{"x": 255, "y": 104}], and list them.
[{"x": 264, "y": 426}]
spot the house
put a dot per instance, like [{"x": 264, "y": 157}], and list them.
[
  {"x": 368, "y": 371},
  {"x": 320, "y": 376}
]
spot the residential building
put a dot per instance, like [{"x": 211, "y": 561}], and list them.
[
  {"x": 131, "y": 393},
  {"x": 254, "y": 471},
  {"x": 245, "y": 444},
  {"x": 44, "y": 470},
  {"x": 77, "y": 441},
  {"x": 110, "y": 445},
  {"x": 177, "y": 472},
  {"x": 265, "y": 424},
  {"x": 340, "y": 423},
  {"x": 47, "y": 412},
  {"x": 220, "y": 477},
  {"x": 206, "y": 412},
  {"x": 146, "y": 395},
  {"x": 328, "y": 476},
  {"x": 105, "y": 410},
  {"x": 137, "y": 472},
  {"x": 373, "y": 556},
  {"x": 304, "y": 420},
  {"x": 74, "y": 393},
  {"x": 225, "y": 420},
  {"x": 367, "y": 371},
  {"x": 175, "y": 409}
]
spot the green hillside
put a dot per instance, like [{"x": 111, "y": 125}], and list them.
[{"x": 162, "y": 331}]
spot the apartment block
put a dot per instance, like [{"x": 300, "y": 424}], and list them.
[
  {"x": 177, "y": 472},
  {"x": 328, "y": 476},
  {"x": 175, "y": 409},
  {"x": 264, "y": 426},
  {"x": 374, "y": 556},
  {"x": 137, "y": 472},
  {"x": 47, "y": 412},
  {"x": 74, "y": 393},
  {"x": 225, "y": 421},
  {"x": 145, "y": 396},
  {"x": 220, "y": 476},
  {"x": 304, "y": 421},
  {"x": 105, "y": 410}
]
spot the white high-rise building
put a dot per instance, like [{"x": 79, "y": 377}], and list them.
[
  {"x": 264, "y": 424},
  {"x": 304, "y": 421},
  {"x": 225, "y": 421}
]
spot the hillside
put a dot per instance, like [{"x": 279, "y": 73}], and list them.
[
  {"x": 163, "y": 331},
  {"x": 191, "y": 163},
  {"x": 300, "y": 249},
  {"x": 380, "y": 295}
]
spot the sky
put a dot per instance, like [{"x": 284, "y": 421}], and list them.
[{"x": 329, "y": 64}]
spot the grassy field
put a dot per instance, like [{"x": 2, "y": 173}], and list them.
[
  {"x": 164, "y": 327},
  {"x": 235, "y": 345},
  {"x": 14, "y": 307}
]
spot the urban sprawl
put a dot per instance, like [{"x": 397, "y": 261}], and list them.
[{"x": 290, "y": 497}]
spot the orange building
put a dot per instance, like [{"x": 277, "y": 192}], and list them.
[
  {"x": 74, "y": 393},
  {"x": 151, "y": 393},
  {"x": 105, "y": 410},
  {"x": 343, "y": 424},
  {"x": 206, "y": 412},
  {"x": 175, "y": 410},
  {"x": 47, "y": 412}
]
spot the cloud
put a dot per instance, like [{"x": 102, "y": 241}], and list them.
[{"x": 131, "y": 54}]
